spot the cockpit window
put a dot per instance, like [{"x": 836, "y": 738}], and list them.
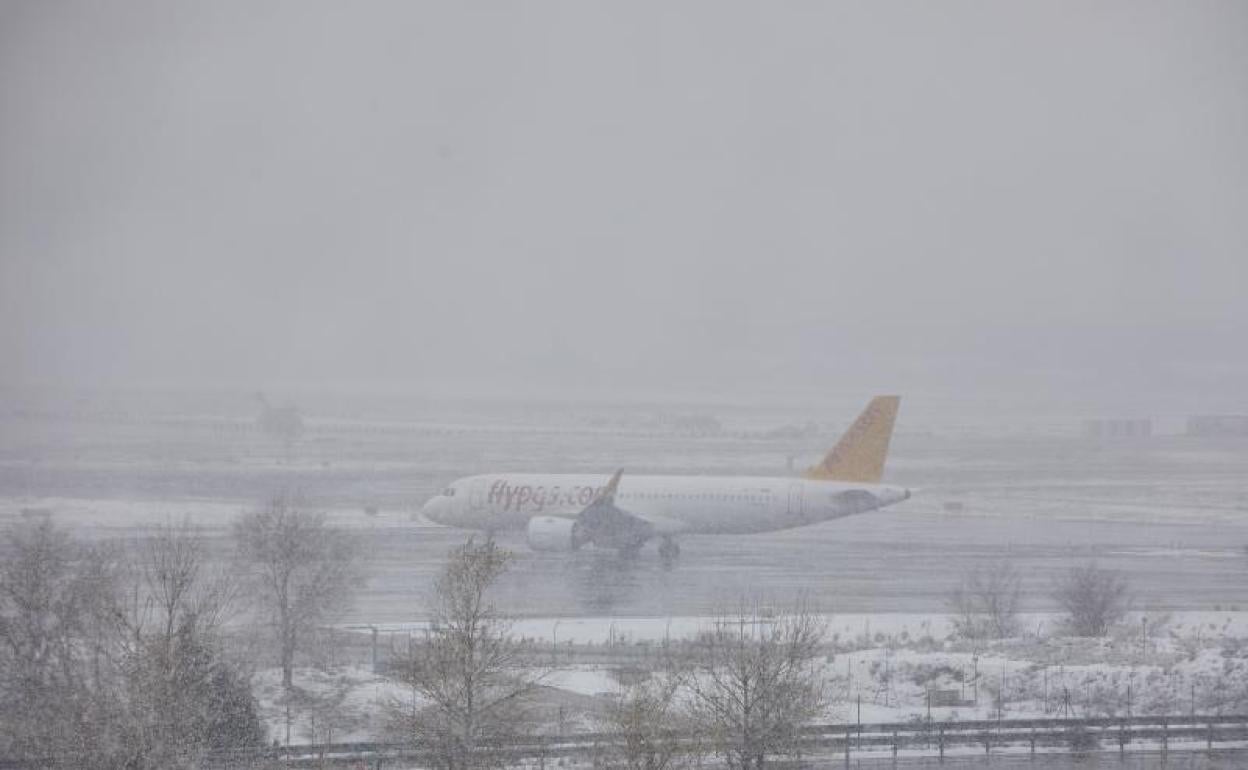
[{"x": 449, "y": 491}]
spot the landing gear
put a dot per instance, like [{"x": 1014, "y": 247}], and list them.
[{"x": 669, "y": 549}]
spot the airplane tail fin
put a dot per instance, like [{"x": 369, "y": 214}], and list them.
[{"x": 860, "y": 454}]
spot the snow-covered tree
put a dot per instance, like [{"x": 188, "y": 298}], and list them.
[
  {"x": 652, "y": 725},
  {"x": 302, "y": 574},
  {"x": 1092, "y": 598},
  {"x": 985, "y": 603},
  {"x": 756, "y": 678},
  {"x": 474, "y": 687}
]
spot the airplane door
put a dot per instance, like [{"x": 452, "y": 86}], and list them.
[
  {"x": 476, "y": 496},
  {"x": 795, "y": 499}
]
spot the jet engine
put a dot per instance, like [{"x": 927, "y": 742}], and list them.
[{"x": 552, "y": 533}]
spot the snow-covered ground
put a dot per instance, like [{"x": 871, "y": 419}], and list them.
[
  {"x": 843, "y": 629},
  {"x": 879, "y": 668},
  {"x": 342, "y": 704},
  {"x": 583, "y": 680},
  {"x": 103, "y": 517},
  {"x": 1169, "y": 512}
]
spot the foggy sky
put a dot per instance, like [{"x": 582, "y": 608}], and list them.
[{"x": 561, "y": 196}]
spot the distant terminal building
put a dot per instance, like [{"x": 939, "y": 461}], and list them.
[
  {"x": 696, "y": 425},
  {"x": 1116, "y": 428},
  {"x": 1217, "y": 425}
]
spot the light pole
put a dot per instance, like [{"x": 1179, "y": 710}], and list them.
[{"x": 554, "y": 642}]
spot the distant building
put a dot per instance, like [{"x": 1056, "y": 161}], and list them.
[
  {"x": 1217, "y": 425},
  {"x": 1116, "y": 428},
  {"x": 696, "y": 425},
  {"x": 809, "y": 430}
]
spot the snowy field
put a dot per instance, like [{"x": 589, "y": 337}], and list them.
[
  {"x": 1170, "y": 512},
  {"x": 888, "y": 668}
]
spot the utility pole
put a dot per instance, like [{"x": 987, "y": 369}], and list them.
[
  {"x": 927, "y": 733},
  {"x": 1001, "y": 694},
  {"x": 975, "y": 681},
  {"x": 888, "y": 677},
  {"x": 374, "y": 632}
]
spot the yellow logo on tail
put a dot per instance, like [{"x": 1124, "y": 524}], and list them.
[{"x": 860, "y": 454}]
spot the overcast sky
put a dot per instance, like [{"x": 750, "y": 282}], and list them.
[{"x": 629, "y": 196}]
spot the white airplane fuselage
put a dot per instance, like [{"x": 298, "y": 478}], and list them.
[
  {"x": 727, "y": 505},
  {"x": 566, "y": 511}
]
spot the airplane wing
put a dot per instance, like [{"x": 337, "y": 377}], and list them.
[{"x": 606, "y": 525}]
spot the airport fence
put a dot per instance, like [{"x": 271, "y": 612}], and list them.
[{"x": 1001, "y": 741}]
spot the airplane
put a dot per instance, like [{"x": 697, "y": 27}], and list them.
[{"x": 564, "y": 512}]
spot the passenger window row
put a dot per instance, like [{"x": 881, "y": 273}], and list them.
[{"x": 694, "y": 496}]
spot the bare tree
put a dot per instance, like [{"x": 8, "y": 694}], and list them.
[
  {"x": 985, "y": 602},
  {"x": 475, "y": 687},
  {"x": 652, "y": 725},
  {"x": 107, "y": 667},
  {"x": 1092, "y": 598},
  {"x": 171, "y": 579},
  {"x": 304, "y": 574},
  {"x": 756, "y": 680},
  {"x": 182, "y": 697},
  {"x": 48, "y": 703}
]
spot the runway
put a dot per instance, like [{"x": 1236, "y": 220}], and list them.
[{"x": 1170, "y": 512}]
